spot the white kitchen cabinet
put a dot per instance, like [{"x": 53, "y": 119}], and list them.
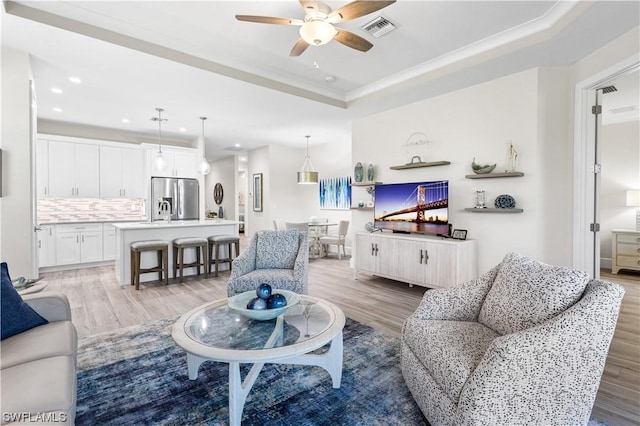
[
  {"x": 179, "y": 163},
  {"x": 78, "y": 244},
  {"x": 185, "y": 165},
  {"x": 42, "y": 168},
  {"x": 416, "y": 259},
  {"x": 121, "y": 172},
  {"x": 74, "y": 169},
  {"x": 108, "y": 242},
  {"x": 47, "y": 246}
]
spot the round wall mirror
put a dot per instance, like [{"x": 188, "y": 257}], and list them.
[{"x": 218, "y": 193}]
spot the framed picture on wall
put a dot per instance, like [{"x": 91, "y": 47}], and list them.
[
  {"x": 335, "y": 193},
  {"x": 257, "y": 192}
]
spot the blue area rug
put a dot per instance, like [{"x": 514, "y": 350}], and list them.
[{"x": 138, "y": 376}]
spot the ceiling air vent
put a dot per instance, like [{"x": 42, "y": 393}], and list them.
[{"x": 378, "y": 26}]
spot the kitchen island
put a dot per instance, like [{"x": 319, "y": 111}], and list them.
[{"x": 126, "y": 233}]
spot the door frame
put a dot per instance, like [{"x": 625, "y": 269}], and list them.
[{"x": 583, "y": 160}]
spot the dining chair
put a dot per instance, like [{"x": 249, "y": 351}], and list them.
[
  {"x": 279, "y": 225},
  {"x": 300, "y": 226},
  {"x": 338, "y": 240}
]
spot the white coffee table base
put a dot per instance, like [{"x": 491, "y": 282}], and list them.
[
  {"x": 331, "y": 361},
  {"x": 273, "y": 351}
]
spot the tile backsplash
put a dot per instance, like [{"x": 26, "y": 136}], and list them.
[{"x": 58, "y": 210}]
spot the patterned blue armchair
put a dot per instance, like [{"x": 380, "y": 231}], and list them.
[
  {"x": 524, "y": 344},
  {"x": 278, "y": 258}
]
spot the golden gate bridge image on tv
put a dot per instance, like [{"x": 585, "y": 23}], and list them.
[{"x": 420, "y": 205}]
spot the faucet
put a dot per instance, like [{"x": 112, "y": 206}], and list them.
[{"x": 165, "y": 207}]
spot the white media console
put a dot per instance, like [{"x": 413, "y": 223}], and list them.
[{"x": 416, "y": 259}]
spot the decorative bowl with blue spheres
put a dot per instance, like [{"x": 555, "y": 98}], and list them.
[{"x": 264, "y": 303}]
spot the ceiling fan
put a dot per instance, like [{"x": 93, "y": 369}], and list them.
[{"x": 317, "y": 26}]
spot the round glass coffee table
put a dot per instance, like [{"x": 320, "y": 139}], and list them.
[{"x": 215, "y": 332}]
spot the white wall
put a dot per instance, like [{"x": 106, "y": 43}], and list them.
[
  {"x": 16, "y": 227},
  {"x": 620, "y": 172},
  {"x": 477, "y": 122},
  {"x": 258, "y": 162},
  {"x": 554, "y": 163},
  {"x": 223, "y": 172},
  {"x": 616, "y": 51},
  {"x": 288, "y": 200},
  {"x": 283, "y": 197}
]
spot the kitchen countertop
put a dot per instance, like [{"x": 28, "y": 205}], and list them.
[
  {"x": 126, "y": 233},
  {"x": 175, "y": 224}
]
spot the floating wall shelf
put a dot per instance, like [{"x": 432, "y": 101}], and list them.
[
  {"x": 369, "y": 183},
  {"x": 492, "y": 210},
  {"x": 422, "y": 164},
  {"x": 494, "y": 175},
  {"x": 361, "y": 208}
]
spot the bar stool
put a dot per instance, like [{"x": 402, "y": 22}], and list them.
[
  {"x": 215, "y": 241},
  {"x": 179, "y": 245},
  {"x": 139, "y": 247}
]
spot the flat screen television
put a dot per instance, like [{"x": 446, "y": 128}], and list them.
[{"x": 419, "y": 207}]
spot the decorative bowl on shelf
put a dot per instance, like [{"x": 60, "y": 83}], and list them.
[
  {"x": 505, "y": 201},
  {"x": 484, "y": 170},
  {"x": 239, "y": 304},
  {"x": 481, "y": 169}
]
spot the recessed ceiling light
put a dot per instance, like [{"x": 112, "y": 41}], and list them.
[
  {"x": 329, "y": 79},
  {"x": 182, "y": 129},
  {"x": 56, "y": 90},
  {"x": 75, "y": 80},
  {"x": 56, "y": 109},
  {"x": 125, "y": 120},
  {"x": 237, "y": 145}
]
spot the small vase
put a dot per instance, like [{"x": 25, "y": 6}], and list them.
[{"x": 480, "y": 200}]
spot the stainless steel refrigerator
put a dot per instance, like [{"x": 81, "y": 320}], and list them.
[{"x": 176, "y": 196}]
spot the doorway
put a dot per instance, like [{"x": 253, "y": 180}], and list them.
[
  {"x": 588, "y": 197},
  {"x": 620, "y": 159}
]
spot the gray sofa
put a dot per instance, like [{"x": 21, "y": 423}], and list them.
[
  {"x": 39, "y": 366},
  {"x": 524, "y": 344},
  {"x": 277, "y": 258}
]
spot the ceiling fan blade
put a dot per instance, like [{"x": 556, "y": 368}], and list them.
[
  {"x": 269, "y": 20},
  {"x": 309, "y": 5},
  {"x": 357, "y": 9},
  {"x": 352, "y": 40},
  {"x": 299, "y": 47}
]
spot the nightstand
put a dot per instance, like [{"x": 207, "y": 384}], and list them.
[{"x": 625, "y": 251}]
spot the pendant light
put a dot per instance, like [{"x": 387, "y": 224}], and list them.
[
  {"x": 307, "y": 175},
  {"x": 204, "y": 167},
  {"x": 159, "y": 163}
]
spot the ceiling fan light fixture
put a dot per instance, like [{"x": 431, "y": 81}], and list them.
[{"x": 317, "y": 32}]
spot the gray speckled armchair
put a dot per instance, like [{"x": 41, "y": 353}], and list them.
[
  {"x": 524, "y": 344},
  {"x": 278, "y": 258}
]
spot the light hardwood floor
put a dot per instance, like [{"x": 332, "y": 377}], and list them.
[{"x": 99, "y": 304}]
